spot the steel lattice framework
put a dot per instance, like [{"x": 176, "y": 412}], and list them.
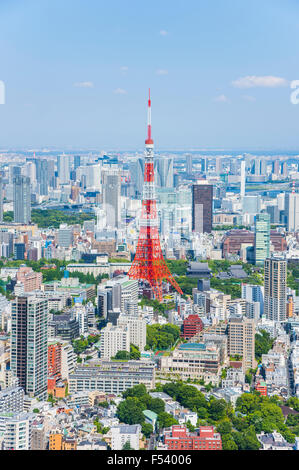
[{"x": 149, "y": 264}]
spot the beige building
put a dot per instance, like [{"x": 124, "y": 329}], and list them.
[
  {"x": 241, "y": 341},
  {"x": 195, "y": 361}
]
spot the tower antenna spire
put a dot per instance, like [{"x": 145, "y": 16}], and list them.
[{"x": 149, "y": 140}]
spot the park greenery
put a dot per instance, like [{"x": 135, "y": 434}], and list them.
[
  {"x": 45, "y": 218},
  {"x": 161, "y": 336},
  {"x": 230, "y": 286}
]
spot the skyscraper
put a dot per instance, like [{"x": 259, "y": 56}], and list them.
[
  {"x": 262, "y": 238},
  {"x": 243, "y": 178},
  {"x": 44, "y": 178},
  {"x": 22, "y": 199},
  {"x": 63, "y": 168},
  {"x": 189, "y": 164},
  {"x": 292, "y": 211},
  {"x": 111, "y": 198},
  {"x": 275, "y": 295},
  {"x": 29, "y": 323},
  {"x": 77, "y": 161},
  {"x": 164, "y": 172},
  {"x": 202, "y": 208}
]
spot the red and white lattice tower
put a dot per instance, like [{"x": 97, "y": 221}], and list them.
[{"x": 149, "y": 264}]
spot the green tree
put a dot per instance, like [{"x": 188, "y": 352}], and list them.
[
  {"x": 147, "y": 429},
  {"x": 127, "y": 446},
  {"x": 166, "y": 420},
  {"x": 130, "y": 410}
]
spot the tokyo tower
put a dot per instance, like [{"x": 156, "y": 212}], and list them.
[{"x": 149, "y": 264}]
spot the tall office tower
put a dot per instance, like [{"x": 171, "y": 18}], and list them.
[
  {"x": 51, "y": 174},
  {"x": 275, "y": 295},
  {"x": 29, "y": 349},
  {"x": 14, "y": 172},
  {"x": 137, "y": 172},
  {"x": 292, "y": 211},
  {"x": 256, "y": 167},
  {"x": 30, "y": 171},
  {"x": 218, "y": 165},
  {"x": 77, "y": 161},
  {"x": 204, "y": 165},
  {"x": 1, "y": 199},
  {"x": 284, "y": 170},
  {"x": 275, "y": 167},
  {"x": 241, "y": 340},
  {"x": 43, "y": 178},
  {"x": 243, "y": 178},
  {"x": 149, "y": 264},
  {"x": 63, "y": 168},
  {"x": 164, "y": 172},
  {"x": 262, "y": 238},
  {"x": 263, "y": 166},
  {"x": 189, "y": 164},
  {"x": 111, "y": 198},
  {"x": 22, "y": 199},
  {"x": 202, "y": 208}
]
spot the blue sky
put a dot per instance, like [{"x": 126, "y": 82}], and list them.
[{"x": 77, "y": 73}]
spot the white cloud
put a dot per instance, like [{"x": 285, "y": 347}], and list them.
[
  {"x": 83, "y": 84},
  {"x": 248, "y": 98},
  {"x": 221, "y": 99},
  {"x": 251, "y": 81},
  {"x": 162, "y": 72},
  {"x": 163, "y": 32},
  {"x": 124, "y": 68},
  {"x": 120, "y": 91}
]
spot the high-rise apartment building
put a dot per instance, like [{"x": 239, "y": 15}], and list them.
[
  {"x": 241, "y": 340},
  {"x": 16, "y": 430},
  {"x": 21, "y": 199},
  {"x": 262, "y": 238},
  {"x": 29, "y": 323},
  {"x": 275, "y": 296},
  {"x": 292, "y": 211},
  {"x": 202, "y": 208}
]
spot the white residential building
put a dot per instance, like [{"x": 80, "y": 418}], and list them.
[
  {"x": 114, "y": 339},
  {"x": 127, "y": 433},
  {"x": 137, "y": 329}
]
